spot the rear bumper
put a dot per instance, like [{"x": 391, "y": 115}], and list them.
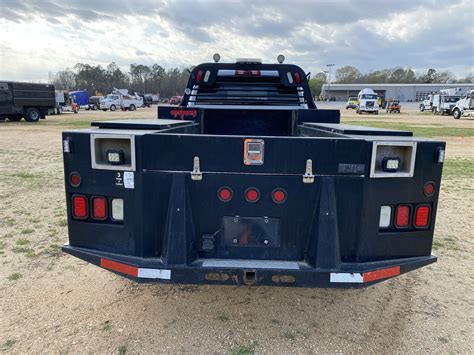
[{"x": 249, "y": 272}]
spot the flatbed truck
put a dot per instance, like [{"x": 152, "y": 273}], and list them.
[{"x": 247, "y": 182}]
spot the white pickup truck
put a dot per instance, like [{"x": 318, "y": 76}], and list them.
[
  {"x": 120, "y": 98},
  {"x": 465, "y": 106}
]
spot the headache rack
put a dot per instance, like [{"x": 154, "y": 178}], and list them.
[{"x": 259, "y": 90}]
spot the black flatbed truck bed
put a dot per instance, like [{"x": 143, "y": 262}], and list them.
[{"x": 318, "y": 209}]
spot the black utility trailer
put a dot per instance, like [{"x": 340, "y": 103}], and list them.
[
  {"x": 249, "y": 183},
  {"x": 28, "y": 100}
]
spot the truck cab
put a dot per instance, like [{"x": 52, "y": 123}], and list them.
[
  {"x": 368, "y": 102},
  {"x": 427, "y": 104},
  {"x": 247, "y": 182},
  {"x": 465, "y": 106}
]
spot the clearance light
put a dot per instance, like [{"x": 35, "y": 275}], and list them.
[
  {"x": 290, "y": 77},
  {"x": 117, "y": 209},
  {"x": 225, "y": 194},
  {"x": 385, "y": 216},
  {"x": 67, "y": 145},
  {"x": 429, "y": 188},
  {"x": 79, "y": 207},
  {"x": 252, "y": 194},
  {"x": 441, "y": 155},
  {"x": 115, "y": 157},
  {"x": 422, "y": 216},
  {"x": 99, "y": 208},
  {"x": 390, "y": 164},
  {"x": 279, "y": 195},
  {"x": 402, "y": 216},
  {"x": 75, "y": 179}
]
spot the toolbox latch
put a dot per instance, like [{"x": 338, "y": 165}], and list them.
[
  {"x": 196, "y": 173},
  {"x": 308, "y": 177}
]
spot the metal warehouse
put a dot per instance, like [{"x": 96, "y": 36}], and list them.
[{"x": 402, "y": 92}]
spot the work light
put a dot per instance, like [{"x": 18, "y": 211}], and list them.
[
  {"x": 115, "y": 157},
  {"x": 390, "y": 164}
]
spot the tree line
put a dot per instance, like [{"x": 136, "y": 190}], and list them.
[
  {"x": 98, "y": 80},
  {"x": 352, "y": 75},
  {"x": 155, "y": 79}
]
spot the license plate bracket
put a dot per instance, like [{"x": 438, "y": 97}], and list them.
[{"x": 251, "y": 232}]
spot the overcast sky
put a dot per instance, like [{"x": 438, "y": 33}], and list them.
[{"x": 37, "y": 37}]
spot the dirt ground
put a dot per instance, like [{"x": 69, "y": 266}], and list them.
[{"x": 51, "y": 302}]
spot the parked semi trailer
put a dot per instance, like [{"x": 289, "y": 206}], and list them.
[
  {"x": 26, "y": 100},
  {"x": 248, "y": 182}
]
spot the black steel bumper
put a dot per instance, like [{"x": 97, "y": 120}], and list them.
[{"x": 249, "y": 272}]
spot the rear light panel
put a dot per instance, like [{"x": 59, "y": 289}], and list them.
[
  {"x": 80, "y": 207},
  {"x": 405, "y": 217},
  {"x": 422, "y": 216},
  {"x": 99, "y": 208},
  {"x": 117, "y": 209},
  {"x": 402, "y": 216}
]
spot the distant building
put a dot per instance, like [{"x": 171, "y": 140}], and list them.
[{"x": 402, "y": 92}]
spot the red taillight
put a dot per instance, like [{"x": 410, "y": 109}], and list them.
[
  {"x": 422, "y": 216},
  {"x": 79, "y": 207},
  {"x": 429, "y": 188},
  {"x": 225, "y": 194},
  {"x": 402, "y": 217},
  {"x": 252, "y": 194},
  {"x": 279, "y": 196},
  {"x": 198, "y": 76},
  {"x": 297, "y": 78},
  {"x": 75, "y": 179},
  {"x": 99, "y": 208}
]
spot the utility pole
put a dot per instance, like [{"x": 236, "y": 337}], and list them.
[
  {"x": 329, "y": 80},
  {"x": 325, "y": 82}
]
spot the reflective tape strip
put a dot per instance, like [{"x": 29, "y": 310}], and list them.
[
  {"x": 346, "y": 277},
  {"x": 368, "y": 276},
  {"x": 381, "y": 274},
  {"x": 135, "y": 271},
  {"x": 154, "y": 274},
  {"x": 119, "y": 267}
]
